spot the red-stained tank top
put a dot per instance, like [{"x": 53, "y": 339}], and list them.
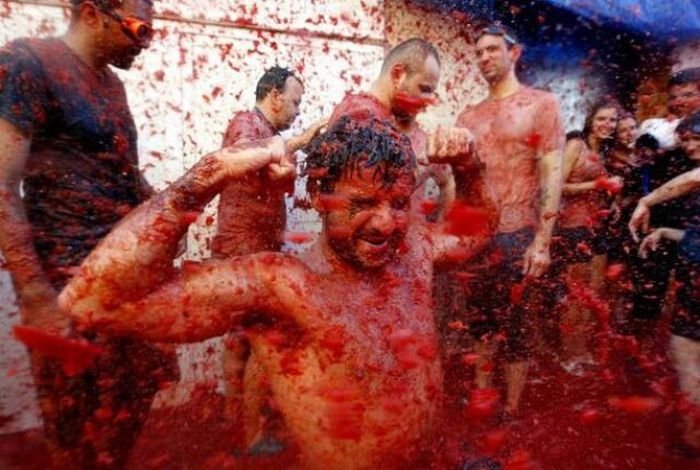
[{"x": 579, "y": 210}]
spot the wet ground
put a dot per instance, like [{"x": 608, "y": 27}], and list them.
[{"x": 622, "y": 415}]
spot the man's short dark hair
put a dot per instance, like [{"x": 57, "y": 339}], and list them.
[
  {"x": 104, "y": 5},
  {"x": 350, "y": 143},
  {"x": 274, "y": 78},
  {"x": 411, "y": 52},
  {"x": 685, "y": 76},
  {"x": 497, "y": 29},
  {"x": 689, "y": 124}
]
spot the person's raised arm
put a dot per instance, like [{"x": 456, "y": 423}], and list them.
[
  {"x": 677, "y": 187},
  {"x": 128, "y": 283}
]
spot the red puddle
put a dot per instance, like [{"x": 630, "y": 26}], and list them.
[
  {"x": 622, "y": 413},
  {"x": 566, "y": 422}
]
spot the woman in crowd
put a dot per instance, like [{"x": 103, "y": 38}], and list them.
[{"x": 585, "y": 204}]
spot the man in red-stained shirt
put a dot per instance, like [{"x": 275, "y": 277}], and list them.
[
  {"x": 519, "y": 138},
  {"x": 252, "y": 213},
  {"x": 404, "y": 88}
]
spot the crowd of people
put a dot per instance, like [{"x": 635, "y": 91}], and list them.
[{"x": 540, "y": 242}]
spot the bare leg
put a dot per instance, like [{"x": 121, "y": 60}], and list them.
[
  {"x": 685, "y": 354},
  {"x": 516, "y": 375},
  {"x": 485, "y": 349},
  {"x": 576, "y": 318},
  {"x": 598, "y": 264}
]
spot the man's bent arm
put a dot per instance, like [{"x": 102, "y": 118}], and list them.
[
  {"x": 537, "y": 257},
  {"x": 550, "y": 195},
  {"x": 198, "y": 302},
  {"x": 128, "y": 283},
  {"x": 16, "y": 238},
  {"x": 677, "y": 187}
]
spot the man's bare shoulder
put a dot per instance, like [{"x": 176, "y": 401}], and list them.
[
  {"x": 468, "y": 113},
  {"x": 278, "y": 262},
  {"x": 359, "y": 106},
  {"x": 539, "y": 95}
]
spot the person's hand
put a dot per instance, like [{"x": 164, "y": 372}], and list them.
[
  {"x": 286, "y": 170},
  {"x": 39, "y": 308},
  {"x": 537, "y": 258},
  {"x": 449, "y": 144},
  {"x": 651, "y": 242},
  {"x": 639, "y": 220},
  {"x": 302, "y": 140},
  {"x": 244, "y": 158}
]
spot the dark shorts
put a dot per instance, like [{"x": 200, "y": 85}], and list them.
[
  {"x": 101, "y": 410},
  {"x": 501, "y": 300}
]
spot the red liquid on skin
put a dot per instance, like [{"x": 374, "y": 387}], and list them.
[{"x": 409, "y": 104}]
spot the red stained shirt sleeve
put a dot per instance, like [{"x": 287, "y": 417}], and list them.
[
  {"x": 246, "y": 126},
  {"x": 23, "y": 99}
]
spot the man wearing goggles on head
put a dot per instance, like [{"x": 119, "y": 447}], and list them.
[{"x": 68, "y": 137}]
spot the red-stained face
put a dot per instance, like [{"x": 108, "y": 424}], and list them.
[
  {"x": 626, "y": 131},
  {"x": 494, "y": 58},
  {"x": 368, "y": 230},
  {"x": 414, "y": 90},
  {"x": 604, "y": 123},
  {"x": 286, "y": 103},
  {"x": 119, "y": 46},
  {"x": 684, "y": 99}
]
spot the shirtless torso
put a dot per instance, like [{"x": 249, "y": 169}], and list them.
[{"x": 347, "y": 340}]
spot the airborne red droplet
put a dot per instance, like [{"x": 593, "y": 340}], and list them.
[
  {"x": 589, "y": 416},
  {"x": 608, "y": 184},
  {"x": 74, "y": 355},
  {"x": 635, "y": 404},
  {"x": 428, "y": 206},
  {"x": 464, "y": 220},
  {"x": 482, "y": 403},
  {"x": 533, "y": 140},
  {"x": 516, "y": 292},
  {"x": 298, "y": 237},
  {"x": 614, "y": 271}
]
